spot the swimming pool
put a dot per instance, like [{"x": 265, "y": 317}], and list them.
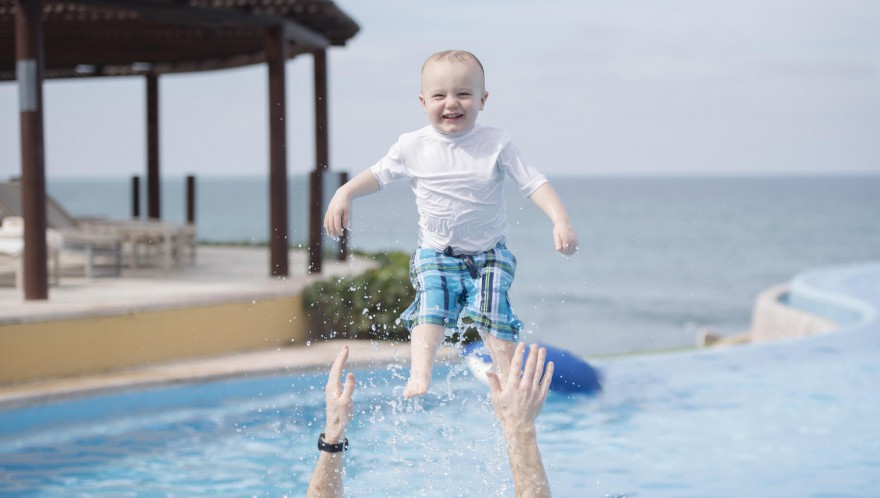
[{"x": 790, "y": 419}]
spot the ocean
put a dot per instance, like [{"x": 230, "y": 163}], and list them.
[{"x": 661, "y": 258}]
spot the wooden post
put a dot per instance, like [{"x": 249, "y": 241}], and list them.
[
  {"x": 316, "y": 187},
  {"x": 29, "y": 73},
  {"x": 276, "y": 56},
  {"x": 191, "y": 199},
  {"x": 135, "y": 197},
  {"x": 154, "y": 210},
  {"x": 322, "y": 142},
  {"x": 316, "y": 191}
]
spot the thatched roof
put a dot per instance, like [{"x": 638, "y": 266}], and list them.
[{"x": 122, "y": 37}]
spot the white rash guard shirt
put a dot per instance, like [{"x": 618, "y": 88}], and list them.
[{"x": 458, "y": 184}]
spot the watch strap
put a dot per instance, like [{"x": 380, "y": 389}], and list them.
[{"x": 332, "y": 448}]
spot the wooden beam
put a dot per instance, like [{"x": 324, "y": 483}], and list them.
[
  {"x": 316, "y": 190},
  {"x": 296, "y": 33},
  {"x": 175, "y": 13},
  {"x": 29, "y": 73},
  {"x": 276, "y": 56}
]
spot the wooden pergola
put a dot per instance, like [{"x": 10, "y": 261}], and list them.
[{"x": 96, "y": 38}]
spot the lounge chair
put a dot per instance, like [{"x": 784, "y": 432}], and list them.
[
  {"x": 171, "y": 239},
  {"x": 12, "y": 250},
  {"x": 94, "y": 246}
]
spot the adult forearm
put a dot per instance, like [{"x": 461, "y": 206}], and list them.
[
  {"x": 529, "y": 476},
  {"x": 327, "y": 480}
]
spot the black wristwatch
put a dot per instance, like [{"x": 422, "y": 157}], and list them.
[{"x": 331, "y": 448}]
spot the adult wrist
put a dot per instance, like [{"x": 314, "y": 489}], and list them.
[
  {"x": 334, "y": 434},
  {"x": 519, "y": 430}
]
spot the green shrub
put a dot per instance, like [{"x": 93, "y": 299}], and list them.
[{"x": 366, "y": 306}]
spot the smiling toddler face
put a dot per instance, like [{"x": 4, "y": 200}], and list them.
[{"x": 452, "y": 93}]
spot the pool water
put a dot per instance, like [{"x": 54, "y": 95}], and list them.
[{"x": 793, "y": 419}]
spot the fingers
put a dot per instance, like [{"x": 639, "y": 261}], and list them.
[
  {"x": 569, "y": 246},
  {"x": 516, "y": 363},
  {"x": 334, "y": 381},
  {"x": 327, "y": 223},
  {"x": 548, "y": 377},
  {"x": 494, "y": 383},
  {"x": 572, "y": 246},
  {"x": 536, "y": 380},
  {"x": 334, "y": 228},
  {"x": 344, "y": 222},
  {"x": 531, "y": 364},
  {"x": 566, "y": 243},
  {"x": 348, "y": 391},
  {"x": 336, "y": 218}
]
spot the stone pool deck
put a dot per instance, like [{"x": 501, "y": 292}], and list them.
[{"x": 222, "y": 316}]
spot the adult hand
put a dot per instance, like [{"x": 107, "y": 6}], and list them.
[
  {"x": 518, "y": 399},
  {"x": 340, "y": 408}
]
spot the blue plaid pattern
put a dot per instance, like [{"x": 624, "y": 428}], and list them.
[{"x": 448, "y": 295}]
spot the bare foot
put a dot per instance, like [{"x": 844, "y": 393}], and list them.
[{"x": 417, "y": 386}]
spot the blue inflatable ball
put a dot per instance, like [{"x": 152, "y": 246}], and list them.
[{"x": 570, "y": 373}]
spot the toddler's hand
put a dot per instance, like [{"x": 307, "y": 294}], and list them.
[
  {"x": 336, "y": 219},
  {"x": 565, "y": 239}
]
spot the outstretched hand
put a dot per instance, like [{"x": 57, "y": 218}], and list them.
[
  {"x": 340, "y": 407},
  {"x": 518, "y": 399}
]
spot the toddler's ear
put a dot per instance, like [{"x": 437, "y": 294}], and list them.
[
  {"x": 482, "y": 99},
  {"x": 422, "y": 101}
]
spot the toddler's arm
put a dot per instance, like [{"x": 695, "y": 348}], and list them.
[
  {"x": 338, "y": 210},
  {"x": 546, "y": 198}
]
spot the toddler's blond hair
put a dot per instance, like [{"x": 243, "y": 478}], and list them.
[{"x": 462, "y": 56}]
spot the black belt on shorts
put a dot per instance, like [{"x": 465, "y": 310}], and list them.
[{"x": 466, "y": 258}]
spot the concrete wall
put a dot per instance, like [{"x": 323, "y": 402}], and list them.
[
  {"x": 773, "y": 320},
  {"x": 40, "y": 350}
]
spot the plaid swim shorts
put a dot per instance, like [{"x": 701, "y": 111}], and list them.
[{"x": 460, "y": 291}]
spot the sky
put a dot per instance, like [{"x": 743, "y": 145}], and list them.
[{"x": 585, "y": 87}]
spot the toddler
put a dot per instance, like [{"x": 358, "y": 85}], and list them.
[{"x": 462, "y": 269}]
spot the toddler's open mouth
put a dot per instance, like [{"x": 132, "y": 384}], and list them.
[{"x": 453, "y": 116}]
